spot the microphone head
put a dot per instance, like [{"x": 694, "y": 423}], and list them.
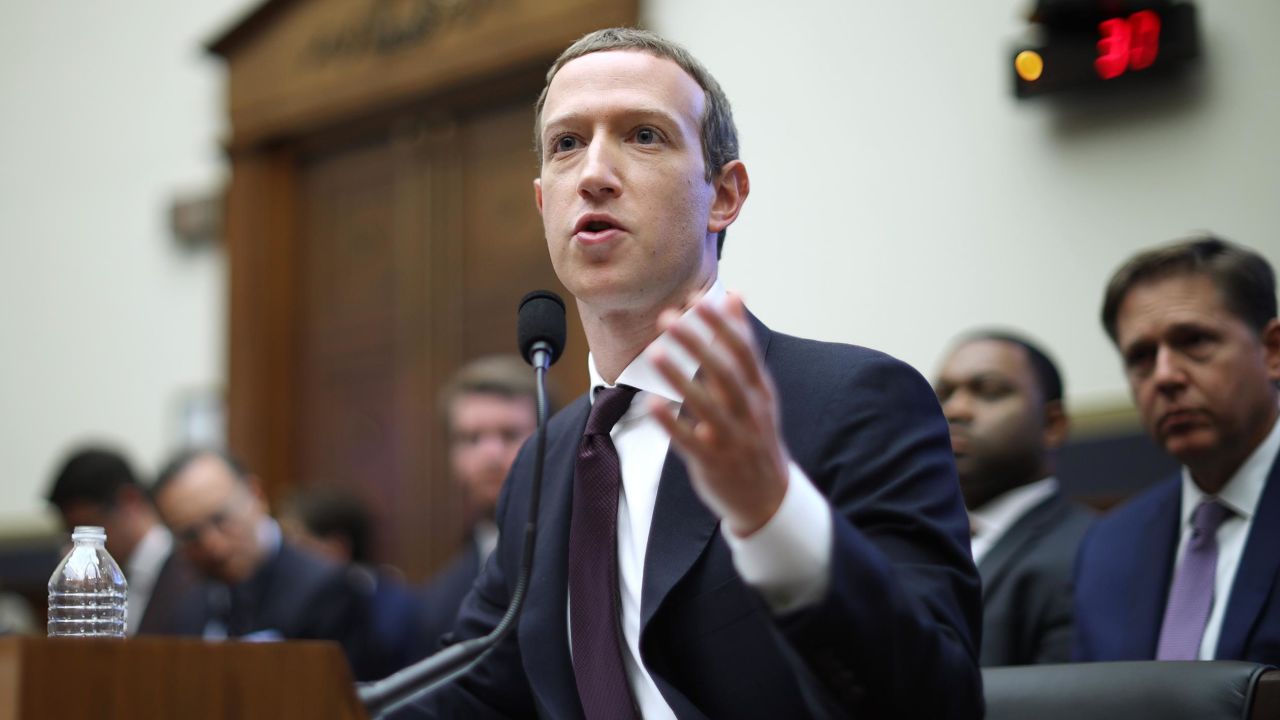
[{"x": 541, "y": 321}]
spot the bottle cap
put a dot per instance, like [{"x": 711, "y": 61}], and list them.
[{"x": 88, "y": 532}]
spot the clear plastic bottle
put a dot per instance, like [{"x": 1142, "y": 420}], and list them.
[{"x": 88, "y": 594}]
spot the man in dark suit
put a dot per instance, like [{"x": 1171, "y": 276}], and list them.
[
  {"x": 1002, "y": 397},
  {"x": 261, "y": 586},
  {"x": 96, "y": 486},
  {"x": 735, "y": 523},
  {"x": 1191, "y": 568},
  {"x": 490, "y": 409}
]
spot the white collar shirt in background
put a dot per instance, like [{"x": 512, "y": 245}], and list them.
[
  {"x": 991, "y": 521},
  {"x": 1241, "y": 495},
  {"x": 142, "y": 569}
]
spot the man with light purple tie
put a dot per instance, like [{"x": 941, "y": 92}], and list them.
[{"x": 1191, "y": 569}]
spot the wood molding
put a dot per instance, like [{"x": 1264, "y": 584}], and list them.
[{"x": 300, "y": 65}]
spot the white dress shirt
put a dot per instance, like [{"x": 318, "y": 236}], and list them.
[
  {"x": 1241, "y": 494},
  {"x": 142, "y": 569},
  {"x": 991, "y": 521},
  {"x": 788, "y": 560}
]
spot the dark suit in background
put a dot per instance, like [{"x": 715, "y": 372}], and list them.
[
  {"x": 177, "y": 598},
  {"x": 1126, "y": 566},
  {"x": 895, "y": 636},
  {"x": 1026, "y": 586},
  {"x": 442, "y": 595},
  {"x": 294, "y": 595}
]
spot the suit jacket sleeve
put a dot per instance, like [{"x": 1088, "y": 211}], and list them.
[{"x": 898, "y": 631}]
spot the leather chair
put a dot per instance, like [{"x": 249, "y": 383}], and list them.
[{"x": 1134, "y": 691}]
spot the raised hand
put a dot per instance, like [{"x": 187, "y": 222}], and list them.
[{"x": 727, "y": 430}]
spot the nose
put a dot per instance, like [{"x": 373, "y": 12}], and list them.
[
  {"x": 1168, "y": 373},
  {"x": 957, "y": 409},
  {"x": 599, "y": 178}
]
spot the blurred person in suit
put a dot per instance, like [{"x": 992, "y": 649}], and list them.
[
  {"x": 262, "y": 586},
  {"x": 490, "y": 409},
  {"x": 1002, "y": 397},
  {"x": 1190, "y": 569},
  {"x": 97, "y": 486},
  {"x": 336, "y": 524}
]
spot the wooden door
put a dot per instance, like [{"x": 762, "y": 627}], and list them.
[{"x": 416, "y": 241}]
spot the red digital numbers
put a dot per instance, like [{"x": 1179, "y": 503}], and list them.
[{"x": 1127, "y": 44}]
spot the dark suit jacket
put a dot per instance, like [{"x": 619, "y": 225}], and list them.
[
  {"x": 1026, "y": 586},
  {"x": 896, "y": 635},
  {"x": 1126, "y": 565},
  {"x": 442, "y": 595},
  {"x": 179, "y": 587},
  {"x": 294, "y": 595}
]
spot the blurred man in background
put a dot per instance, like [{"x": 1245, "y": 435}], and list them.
[
  {"x": 96, "y": 486},
  {"x": 1190, "y": 569},
  {"x": 490, "y": 409},
  {"x": 336, "y": 524},
  {"x": 1002, "y": 397},
  {"x": 263, "y": 587}
]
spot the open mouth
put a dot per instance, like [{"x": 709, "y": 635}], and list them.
[{"x": 595, "y": 226}]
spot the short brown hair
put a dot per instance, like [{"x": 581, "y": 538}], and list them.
[
  {"x": 1244, "y": 277},
  {"x": 719, "y": 133},
  {"x": 504, "y": 375}
]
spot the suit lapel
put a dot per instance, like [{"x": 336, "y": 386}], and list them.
[
  {"x": 682, "y": 525},
  {"x": 1155, "y": 542},
  {"x": 543, "y": 628},
  {"x": 1010, "y": 547},
  {"x": 1256, "y": 573}
]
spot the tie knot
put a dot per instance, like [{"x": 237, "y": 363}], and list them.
[
  {"x": 610, "y": 405},
  {"x": 1208, "y": 516}
]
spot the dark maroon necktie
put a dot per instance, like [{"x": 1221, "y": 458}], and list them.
[{"x": 594, "y": 604}]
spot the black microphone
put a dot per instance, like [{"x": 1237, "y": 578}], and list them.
[
  {"x": 540, "y": 329},
  {"x": 540, "y": 332}
]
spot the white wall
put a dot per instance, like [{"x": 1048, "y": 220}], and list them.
[
  {"x": 897, "y": 183},
  {"x": 899, "y": 193},
  {"x": 109, "y": 110}
]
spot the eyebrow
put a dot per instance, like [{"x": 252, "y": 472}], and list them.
[{"x": 656, "y": 115}]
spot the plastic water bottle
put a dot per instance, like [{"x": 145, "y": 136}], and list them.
[{"x": 88, "y": 595}]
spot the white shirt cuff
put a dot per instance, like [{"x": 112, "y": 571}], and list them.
[{"x": 788, "y": 561}]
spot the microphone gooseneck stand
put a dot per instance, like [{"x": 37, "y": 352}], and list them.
[{"x": 415, "y": 682}]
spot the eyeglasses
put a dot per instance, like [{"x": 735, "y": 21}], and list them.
[{"x": 218, "y": 520}]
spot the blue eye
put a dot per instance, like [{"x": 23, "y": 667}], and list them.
[
  {"x": 646, "y": 136},
  {"x": 564, "y": 142}
]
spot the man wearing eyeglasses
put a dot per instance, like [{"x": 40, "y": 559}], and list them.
[{"x": 262, "y": 587}]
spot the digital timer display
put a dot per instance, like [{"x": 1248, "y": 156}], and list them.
[{"x": 1090, "y": 43}]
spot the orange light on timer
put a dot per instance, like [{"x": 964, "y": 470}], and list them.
[{"x": 1029, "y": 65}]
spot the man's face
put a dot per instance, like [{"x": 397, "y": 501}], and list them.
[
  {"x": 623, "y": 191},
  {"x": 1201, "y": 378},
  {"x": 486, "y": 432},
  {"x": 214, "y": 517},
  {"x": 996, "y": 412}
]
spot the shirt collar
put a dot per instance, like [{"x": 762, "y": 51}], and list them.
[
  {"x": 641, "y": 373},
  {"x": 150, "y": 553},
  {"x": 1244, "y": 489},
  {"x": 998, "y": 515}
]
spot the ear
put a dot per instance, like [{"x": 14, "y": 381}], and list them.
[
  {"x": 1270, "y": 338},
  {"x": 731, "y": 188},
  {"x": 537, "y": 194},
  {"x": 1056, "y": 424}
]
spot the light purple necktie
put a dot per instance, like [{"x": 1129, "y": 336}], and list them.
[
  {"x": 594, "y": 624},
  {"x": 1191, "y": 595}
]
